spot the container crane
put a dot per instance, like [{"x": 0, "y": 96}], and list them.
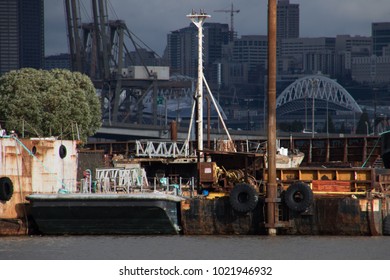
[{"x": 231, "y": 11}]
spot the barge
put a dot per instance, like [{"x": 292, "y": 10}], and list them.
[
  {"x": 141, "y": 213},
  {"x": 222, "y": 193},
  {"x": 40, "y": 193}
]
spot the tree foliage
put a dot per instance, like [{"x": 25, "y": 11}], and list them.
[{"x": 49, "y": 103}]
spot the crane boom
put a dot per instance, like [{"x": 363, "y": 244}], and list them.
[{"x": 231, "y": 11}]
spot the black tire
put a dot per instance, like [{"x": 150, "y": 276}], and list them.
[
  {"x": 298, "y": 197},
  {"x": 243, "y": 198},
  {"x": 386, "y": 225},
  {"x": 6, "y": 189}
]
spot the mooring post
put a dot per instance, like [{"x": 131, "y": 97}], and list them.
[{"x": 272, "y": 215}]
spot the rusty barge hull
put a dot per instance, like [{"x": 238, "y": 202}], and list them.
[{"x": 326, "y": 216}]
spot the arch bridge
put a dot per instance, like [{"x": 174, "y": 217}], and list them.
[{"x": 318, "y": 92}]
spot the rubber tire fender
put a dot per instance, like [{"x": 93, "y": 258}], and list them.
[
  {"x": 386, "y": 225},
  {"x": 298, "y": 196},
  {"x": 6, "y": 189},
  {"x": 243, "y": 198}
]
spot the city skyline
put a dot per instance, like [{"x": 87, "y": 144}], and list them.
[{"x": 318, "y": 18}]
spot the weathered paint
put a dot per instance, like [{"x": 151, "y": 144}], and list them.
[
  {"x": 335, "y": 216},
  {"x": 34, "y": 166},
  {"x": 343, "y": 215},
  {"x": 205, "y": 216}
]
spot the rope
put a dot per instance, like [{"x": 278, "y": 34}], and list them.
[
  {"x": 372, "y": 150},
  {"x": 20, "y": 188}
]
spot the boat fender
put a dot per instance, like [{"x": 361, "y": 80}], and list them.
[
  {"x": 298, "y": 196},
  {"x": 6, "y": 189},
  {"x": 243, "y": 198},
  {"x": 386, "y": 225}
]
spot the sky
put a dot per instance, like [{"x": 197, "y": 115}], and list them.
[{"x": 152, "y": 20}]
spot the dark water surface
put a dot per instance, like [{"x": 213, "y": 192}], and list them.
[{"x": 194, "y": 247}]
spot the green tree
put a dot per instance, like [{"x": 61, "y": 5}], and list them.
[{"x": 49, "y": 103}]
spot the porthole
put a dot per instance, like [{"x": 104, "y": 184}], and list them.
[{"x": 62, "y": 151}]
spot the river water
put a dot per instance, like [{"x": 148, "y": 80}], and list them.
[{"x": 194, "y": 248}]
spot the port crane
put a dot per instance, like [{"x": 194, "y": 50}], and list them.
[
  {"x": 231, "y": 11},
  {"x": 98, "y": 49}
]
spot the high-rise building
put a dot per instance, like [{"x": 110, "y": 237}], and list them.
[
  {"x": 21, "y": 34},
  {"x": 287, "y": 20},
  {"x": 182, "y": 48},
  {"x": 9, "y": 35},
  {"x": 307, "y": 55},
  {"x": 380, "y": 37},
  {"x": 60, "y": 61},
  {"x": 252, "y": 51}
]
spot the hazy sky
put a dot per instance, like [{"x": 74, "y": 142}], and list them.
[{"x": 152, "y": 20}]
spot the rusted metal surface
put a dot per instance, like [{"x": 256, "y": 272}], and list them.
[
  {"x": 272, "y": 218},
  {"x": 207, "y": 172},
  {"x": 13, "y": 227},
  {"x": 319, "y": 150},
  {"x": 337, "y": 216},
  {"x": 89, "y": 160},
  {"x": 204, "y": 216},
  {"x": 33, "y": 165},
  {"x": 343, "y": 215},
  {"x": 359, "y": 179},
  {"x": 353, "y": 150},
  {"x": 173, "y": 131}
]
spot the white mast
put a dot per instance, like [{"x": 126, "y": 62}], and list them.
[{"x": 198, "y": 20}]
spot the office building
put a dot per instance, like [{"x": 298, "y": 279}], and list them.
[
  {"x": 380, "y": 37},
  {"x": 60, "y": 61},
  {"x": 21, "y": 34},
  {"x": 347, "y": 48},
  {"x": 372, "y": 70},
  {"x": 252, "y": 52},
  {"x": 182, "y": 48},
  {"x": 287, "y": 20},
  {"x": 307, "y": 55},
  {"x": 9, "y": 36}
]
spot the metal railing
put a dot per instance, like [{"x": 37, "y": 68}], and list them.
[
  {"x": 132, "y": 180},
  {"x": 162, "y": 149}
]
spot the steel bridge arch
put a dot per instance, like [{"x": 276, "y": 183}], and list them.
[{"x": 327, "y": 94}]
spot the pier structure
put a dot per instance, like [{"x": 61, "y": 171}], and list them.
[{"x": 272, "y": 199}]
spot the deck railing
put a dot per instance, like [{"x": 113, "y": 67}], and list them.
[{"x": 130, "y": 180}]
